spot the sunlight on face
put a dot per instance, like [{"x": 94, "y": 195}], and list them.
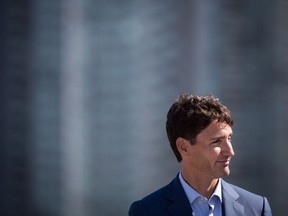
[{"x": 212, "y": 152}]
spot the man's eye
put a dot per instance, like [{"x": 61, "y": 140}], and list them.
[{"x": 216, "y": 141}]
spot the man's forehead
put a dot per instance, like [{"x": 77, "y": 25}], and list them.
[{"x": 216, "y": 127}]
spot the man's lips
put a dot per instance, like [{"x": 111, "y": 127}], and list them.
[{"x": 225, "y": 161}]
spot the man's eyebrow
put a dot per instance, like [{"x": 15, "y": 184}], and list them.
[
  {"x": 220, "y": 137},
  {"x": 216, "y": 138}
]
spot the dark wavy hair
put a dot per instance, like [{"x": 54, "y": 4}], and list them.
[{"x": 189, "y": 115}]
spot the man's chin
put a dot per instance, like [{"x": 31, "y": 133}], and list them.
[{"x": 226, "y": 172}]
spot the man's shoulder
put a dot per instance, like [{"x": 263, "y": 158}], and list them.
[
  {"x": 157, "y": 195},
  {"x": 246, "y": 197},
  {"x": 252, "y": 202},
  {"x": 240, "y": 191},
  {"x": 152, "y": 204},
  {"x": 158, "y": 202}
]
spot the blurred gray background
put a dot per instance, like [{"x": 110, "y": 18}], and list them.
[{"x": 85, "y": 86}]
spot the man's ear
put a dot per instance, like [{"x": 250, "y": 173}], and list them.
[{"x": 182, "y": 146}]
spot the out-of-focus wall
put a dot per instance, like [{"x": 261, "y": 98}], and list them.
[{"x": 85, "y": 87}]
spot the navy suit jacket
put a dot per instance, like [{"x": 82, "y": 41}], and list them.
[{"x": 171, "y": 200}]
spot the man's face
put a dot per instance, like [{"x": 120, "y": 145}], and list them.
[{"x": 211, "y": 154}]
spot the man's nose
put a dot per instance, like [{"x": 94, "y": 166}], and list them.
[{"x": 228, "y": 149}]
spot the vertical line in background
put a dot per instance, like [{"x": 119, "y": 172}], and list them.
[
  {"x": 71, "y": 114},
  {"x": 280, "y": 194},
  {"x": 207, "y": 40},
  {"x": 43, "y": 102}
]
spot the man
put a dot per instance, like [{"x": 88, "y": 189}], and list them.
[{"x": 199, "y": 130}]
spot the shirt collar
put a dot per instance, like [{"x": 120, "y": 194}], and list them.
[{"x": 193, "y": 194}]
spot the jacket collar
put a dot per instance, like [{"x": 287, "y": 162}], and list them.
[
  {"x": 179, "y": 202},
  {"x": 230, "y": 196}
]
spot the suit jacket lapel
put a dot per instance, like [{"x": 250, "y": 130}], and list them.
[
  {"x": 179, "y": 202},
  {"x": 230, "y": 196}
]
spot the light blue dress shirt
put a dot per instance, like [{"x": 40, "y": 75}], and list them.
[{"x": 200, "y": 205}]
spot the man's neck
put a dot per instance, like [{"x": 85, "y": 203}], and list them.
[{"x": 202, "y": 185}]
